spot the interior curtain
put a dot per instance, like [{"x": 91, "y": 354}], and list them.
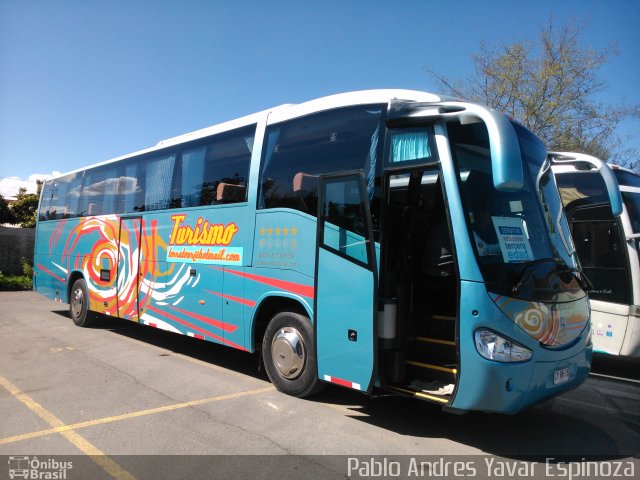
[{"x": 410, "y": 146}]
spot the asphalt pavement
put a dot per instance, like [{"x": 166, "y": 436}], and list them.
[{"x": 121, "y": 390}]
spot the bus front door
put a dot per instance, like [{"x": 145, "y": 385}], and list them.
[
  {"x": 128, "y": 275},
  {"x": 346, "y": 283}
]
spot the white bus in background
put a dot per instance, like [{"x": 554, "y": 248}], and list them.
[{"x": 607, "y": 246}]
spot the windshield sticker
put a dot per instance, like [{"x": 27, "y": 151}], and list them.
[
  {"x": 515, "y": 206},
  {"x": 513, "y": 239}
]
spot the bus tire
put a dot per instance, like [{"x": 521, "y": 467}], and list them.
[
  {"x": 79, "y": 304},
  {"x": 288, "y": 354}
]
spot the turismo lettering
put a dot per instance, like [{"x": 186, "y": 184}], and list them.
[{"x": 203, "y": 233}]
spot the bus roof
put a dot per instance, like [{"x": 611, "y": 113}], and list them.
[
  {"x": 582, "y": 156},
  {"x": 279, "y": 114}
]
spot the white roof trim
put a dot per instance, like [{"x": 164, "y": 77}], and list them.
[{"x": 282, "y": 113}]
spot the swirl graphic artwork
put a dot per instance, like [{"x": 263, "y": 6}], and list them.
[{"x": 551, "y": 324}]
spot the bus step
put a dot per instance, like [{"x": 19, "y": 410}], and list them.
[
  {"x": 408, "y": 390},
  {"x": 448, "y": 318},
  {"x": 422, "y": 370},
  {"x": 433, "y": 351},
  {"x": 429, "y": 366},
  {"x": 437, "y": 341}
]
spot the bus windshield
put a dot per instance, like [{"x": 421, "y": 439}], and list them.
[
  {"x": 632, "y": 202},
  {"x": 520, "y": 237}
]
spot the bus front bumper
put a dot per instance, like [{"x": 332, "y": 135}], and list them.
[{"x": 509, "y": 388}]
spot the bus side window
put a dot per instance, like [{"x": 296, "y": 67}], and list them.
[
  {"x": 159, "y": 176},
  {"x": 226, "y": 162},
  {"x": 331, "y": 141},
  {"x": 130, "y": 189},
  {"x": 215, "y": 170},
  {"x": 191, "y": 178},
  {"x": 65, "y": 196},
  {"x": 92, "y": 201},
  {"x": 45, "y": 203}
]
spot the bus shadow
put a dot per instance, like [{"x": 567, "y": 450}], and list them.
[
  {"x": 208, "y": 352},
  {"x": 560, "y": 428},
  {"x": 577, "y": 423}
]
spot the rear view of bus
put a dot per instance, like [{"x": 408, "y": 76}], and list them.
[{"x": 607, "y": 246}]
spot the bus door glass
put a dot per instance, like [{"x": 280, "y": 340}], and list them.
[
  {"x": 128, "y": 274},
  {"x": 346, "y": 279}
]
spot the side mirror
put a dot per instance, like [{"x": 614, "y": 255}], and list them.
[
  {"x": 503, "y": 141},
  {"x": 610, "y": 181}
]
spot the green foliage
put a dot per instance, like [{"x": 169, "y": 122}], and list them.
[
  {"x": 5, "y": 212},
  {"x": 27, "y": 267},
  {"x": 550, "y": 86},
  {"x": 25, "y": 209},
  {"x": 12, "y": 283}
]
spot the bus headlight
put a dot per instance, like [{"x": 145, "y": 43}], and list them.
[{"x": 499, "y": 349}]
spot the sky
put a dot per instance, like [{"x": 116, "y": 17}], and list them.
[{"x": 83, "y": 81}]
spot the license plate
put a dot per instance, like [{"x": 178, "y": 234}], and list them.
[{"x": 561, "y": 376}]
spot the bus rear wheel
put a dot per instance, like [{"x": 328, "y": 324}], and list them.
[
  {"x": 79, "y": 305},
  {"x": 288, "y": 354}
]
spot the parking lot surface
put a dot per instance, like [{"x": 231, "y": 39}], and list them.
[{"x": 122, "y": 389}]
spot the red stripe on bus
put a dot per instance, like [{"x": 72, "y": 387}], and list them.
[
  {"x": 243, "y": 301},
  {"x": 189, "y": 325},
  {"x": 184, "y": 322},
  {"x": 52, "y": 274},
  {"x": 227, "y": 327},
  {"x": 297, "y": 288},
  {"x": 339, "y": 381}
]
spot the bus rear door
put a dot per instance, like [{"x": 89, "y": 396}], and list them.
[{"x": 128, "y": 280}]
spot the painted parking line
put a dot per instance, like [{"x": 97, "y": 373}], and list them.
[
  {"x": 62, "y": 428},
  {"x": 82, "y": 444}
]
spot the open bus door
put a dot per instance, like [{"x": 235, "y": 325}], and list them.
[{"x": 346, "y": 283}]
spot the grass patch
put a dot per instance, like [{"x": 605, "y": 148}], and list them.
[{"x": 13, "y": 283}]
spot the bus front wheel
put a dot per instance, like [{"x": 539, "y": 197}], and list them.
[
  {"x": 288, "y": 353},
  {"x": 79, "y": 304}
]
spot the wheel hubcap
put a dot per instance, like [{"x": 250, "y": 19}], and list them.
[
  {"x": 288, "y": 352},
  {"x": 77, "y": 300}
]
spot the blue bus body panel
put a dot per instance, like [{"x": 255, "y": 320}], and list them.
[
  {"x": 344, "y": 303},
  {"x": 509, "y": 387},
  {"x": 157, "y": 268}
]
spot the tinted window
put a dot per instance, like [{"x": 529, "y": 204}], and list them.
[
  {"x": 65, "y": 196},
  {"x": 344, "y": 218},
  {"x": 601, "y": 251},
  {"x": 158, "y": 180},
  {"x": 45, "y": 200},
  {"x": 581, "y": 188},
  {"x": 332, "y": 141},
  {"x": 130, "y": 187},
  {"x": 98, "y": 191},
  {"x": 627, "y": 178},
  {"x": 216, "y": 172},
  {"x": 632, "y": 203}
]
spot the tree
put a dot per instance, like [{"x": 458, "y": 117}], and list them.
[
  {"x": 551, "y": 87},
  {"x": 5, "y": 212},
  {"x": 26, "y": 207}
]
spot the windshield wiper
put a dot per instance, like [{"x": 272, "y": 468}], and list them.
[
  {"x": 527, "y": 271},
  {"x": 582, "y": 278}
]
